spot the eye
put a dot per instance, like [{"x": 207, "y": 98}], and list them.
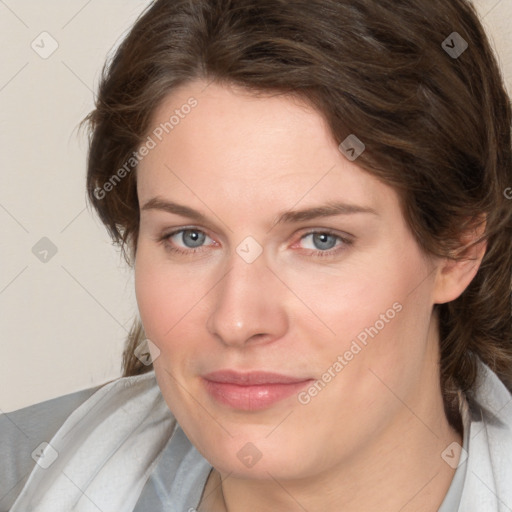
[
  {"x": 188, "y": 241},
  {"x": 324, "y": 243},
  {"x": 321, "y": 241},
  {"x": 191, "y": 238},
  {"x": 185, "y": 241}
]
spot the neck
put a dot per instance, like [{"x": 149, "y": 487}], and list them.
[
  {"x": 405, "y": 473},
  {"x": 414, "y": 490}
]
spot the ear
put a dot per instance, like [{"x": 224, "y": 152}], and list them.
[{"x": 454, "y": 274}]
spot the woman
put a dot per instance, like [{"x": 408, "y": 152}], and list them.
[{"x": 313, "y": 197}]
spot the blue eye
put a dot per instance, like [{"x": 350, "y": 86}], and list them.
[
  {"x": 192, "y": 238},
  {"x": 185, "y": 241},
  {"x": 324, "y": 244},
  {"x": 323, "y": 241}
]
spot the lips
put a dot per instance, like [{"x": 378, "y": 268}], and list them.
[{"x": 251, "y": 391}]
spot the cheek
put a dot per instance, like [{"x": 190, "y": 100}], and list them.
[
  {"x": 164, "y": 294},
  {"x": 152, "y": 300},
  {"x": 377, "y": 354},
  {"x": 378, "y": 311},
  {"x": 346, "y": 301}
]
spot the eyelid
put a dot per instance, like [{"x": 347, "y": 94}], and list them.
[
  {"x": 173, "y": 231},
  {"x": 327, "y": 231}
]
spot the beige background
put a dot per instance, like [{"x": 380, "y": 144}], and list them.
[{"x": 64, "y": 321}]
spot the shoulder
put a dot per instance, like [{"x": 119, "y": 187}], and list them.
[
  {"x": 23, "y": 431},
  {"x": 489, "y": 475},
  {"x": 491, "y": 403},
  {"x": 118, "y": 433}
]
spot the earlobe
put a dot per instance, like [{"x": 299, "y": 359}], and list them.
[{"x": 456, "y": 273}]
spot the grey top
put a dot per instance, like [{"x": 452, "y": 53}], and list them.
[
  {"x": 22, "y": 431},
  {"x": 482, "y": 482}
]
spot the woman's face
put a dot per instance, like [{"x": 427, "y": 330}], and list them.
[{"x": 290, "y": 303}]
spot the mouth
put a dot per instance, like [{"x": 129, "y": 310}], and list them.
[{"x": 251, "y": 391}]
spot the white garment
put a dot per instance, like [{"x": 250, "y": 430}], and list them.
[{"x": 488, "y": 482}]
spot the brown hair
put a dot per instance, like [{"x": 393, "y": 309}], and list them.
[{"x": 436, "y": 126}]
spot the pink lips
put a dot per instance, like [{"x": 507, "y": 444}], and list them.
[{"x": 251, "y": 391}]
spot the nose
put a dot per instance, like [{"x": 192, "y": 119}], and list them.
[{"x": 248, "y": 305}]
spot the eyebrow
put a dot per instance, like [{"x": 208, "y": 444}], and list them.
[
  {"x": 168, "y": 206},
  {"x": 329, "y": 209}
]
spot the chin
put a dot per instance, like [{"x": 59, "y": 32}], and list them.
[{"x": 260, "y": 458}]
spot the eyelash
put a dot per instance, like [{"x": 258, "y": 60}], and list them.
[{"x": 317, "y": 253}]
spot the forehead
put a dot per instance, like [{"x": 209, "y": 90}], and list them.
[
  {"x": 239, "y": 123},
  {"x": 243, "y": 147}
]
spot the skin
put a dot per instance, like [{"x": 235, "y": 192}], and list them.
[{"x": 372, "y": 438}]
